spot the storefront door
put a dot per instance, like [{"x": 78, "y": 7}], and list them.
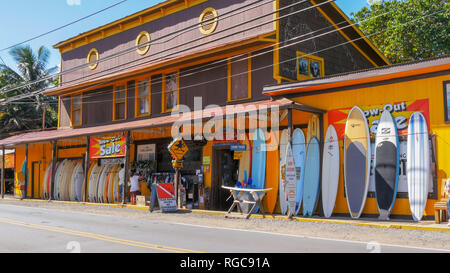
[{"x": 224, "y": 173}]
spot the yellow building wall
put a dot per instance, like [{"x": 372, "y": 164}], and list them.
[{"x": 430, "y": 88}]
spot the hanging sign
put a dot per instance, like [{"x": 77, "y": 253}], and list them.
[
  {"x": 107, "y": 147},
  {"x": 178, "y": 148},
  {"x": 166, "y": 197},
  {"x": 401, "y": 111}
]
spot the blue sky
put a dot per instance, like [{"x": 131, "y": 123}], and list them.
[{"x": 24, "y": 19}]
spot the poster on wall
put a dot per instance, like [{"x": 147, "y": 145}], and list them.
[
  {"x": 107, "y": 147},
  {"x": 401, "y": 111},
  {"x": 146, "y": 152}
]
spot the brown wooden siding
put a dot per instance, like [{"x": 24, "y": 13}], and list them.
[{"x": 161, "y": 27}]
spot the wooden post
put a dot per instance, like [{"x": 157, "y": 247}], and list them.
[
  {"x": 52, "y": 178},
  {"x": 26, "y": 171},
  {"x": 3, "y": 172},
  {"x": 127, "y": 163},
  {"x": 87, "y": 164},
  {"x": 290, "y": 125}
]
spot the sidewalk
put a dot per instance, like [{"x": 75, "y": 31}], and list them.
[{"x": 427, "y": 225}]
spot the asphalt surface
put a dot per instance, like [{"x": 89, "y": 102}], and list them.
[{"x": 27, "y": 227}]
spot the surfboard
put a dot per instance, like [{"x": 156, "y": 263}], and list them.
[
  {"x": 68, "y": 182},
  {"x": 284, "y": 140},
  {"x": 290, "y": 181},
  {"x": 58, "y": 177},
  {"x": 272, "y": 172},
  {"x": 113, "y": 184},
  {"x": 44, "y": 186},
  {"x": 258, "y": 161},
  {"x": 418, "y": 169},
  {"x": 313, "y": 128},
  {"x": 356, "y": 161},
  {"x": 330, "y": 171},
  {"x": 245, "y": 161},
  {"x": 299, "y": 153},
  {"x": 387, "y": 163},
  {"x": 85, "y": 189},
  {"x": 77, "y": 180},
  {"x": 311, "y": 183},
  {"x": 101, "y": 184},
  {"x": 93, "y": 178}
]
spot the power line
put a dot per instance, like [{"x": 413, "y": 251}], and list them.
[
  {"x": 165, "y": 50},
  {"x": 307, "y": 54},
  {"x": 64, "y": 26}
]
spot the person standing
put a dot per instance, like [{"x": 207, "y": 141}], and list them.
[
  {"x": 447, "y": 189},
  {"x": 121, "y": 181},
  {"x": 135, "y": 188}
]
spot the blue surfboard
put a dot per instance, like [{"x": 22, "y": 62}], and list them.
[
  {"x": 259, "y": 161},
  {"x": 299, "y": 150},
  {"x": 311, "y": 182}
]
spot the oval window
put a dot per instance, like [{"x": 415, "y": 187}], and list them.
[
  {"x": 208, "y": 21},
  {"x": 92, "y": 58},
  {"x": 142, "y": 39}
]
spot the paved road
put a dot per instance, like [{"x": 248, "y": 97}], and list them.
[{"x": 28, "y": 229}]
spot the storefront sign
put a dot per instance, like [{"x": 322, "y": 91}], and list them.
[
  {"x": 206, "y": 160},
  {"x": 146, "y": 152},
  {"x": 401, "y": 111},
  {"x": 166, "y": 197},
  {"x": 111, "y": 161},
  {"x": 238, "y": 147},
  {"x": 107, "y": 147}
]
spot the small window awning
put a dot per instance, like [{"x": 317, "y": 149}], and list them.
[{"x": 203, "y": 115}]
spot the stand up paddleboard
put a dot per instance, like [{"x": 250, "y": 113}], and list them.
[
  {"x": 245, "y": 166},
  {"x": 387, "y": 158},
  {"x": 356, "y": 161},
  {"x": 311, "y": 183},
  {"x": 272, "y": 173},
  {"x": 330, "y": 171},
  {"x": 259, "y": 161},
  {"x": 299, "y": 152},
  {"x": 284, "y": 139},
  {"x": 290, "y": 181},
  {"x": 418, "y": 169}
]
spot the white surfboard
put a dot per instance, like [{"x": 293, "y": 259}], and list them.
[
  {"x": 418, "y": 170},
  {"x": 330, "y": 171},
  {"x": 284, "y": 139},
  {"x": 290, "y": 181}
]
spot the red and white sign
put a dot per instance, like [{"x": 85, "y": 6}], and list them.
[{"x": 166, "y": 197}]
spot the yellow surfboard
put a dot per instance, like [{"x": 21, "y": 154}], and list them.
[
  {"x": 272, "y": 172},
  {"x": 313, "y": 128},
  {"x": 245, "y": 162}
]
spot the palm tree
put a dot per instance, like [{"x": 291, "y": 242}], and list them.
[{"x": 27, "y": 114}]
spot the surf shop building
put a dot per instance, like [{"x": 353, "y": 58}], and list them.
[
  {"x": 129, "y": 87},
  {"x": 400, "y": 89}
]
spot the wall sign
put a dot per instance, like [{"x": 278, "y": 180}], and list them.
[
  {"x": 401, "y": 111},
  {"x": 107, "y": 147},
  {"x": 146, "y": 152}
]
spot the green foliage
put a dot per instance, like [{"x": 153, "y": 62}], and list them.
[
  {"x": 424, "y": 38},
  {"x": 27, "y": 113}
]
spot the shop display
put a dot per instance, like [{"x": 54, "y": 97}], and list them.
[
  {"x": 330, "y": 171},
  {"x": 387, "y": 158},
  {"x": 290, "y": 181},
  {"x": 272, "y": 173},
  {"x": 313, "y": 128},
  {"x": 418, "y": 165},
  {"x": 259, "y": 161},
  {"x": 299, "y": 151},
  {"x": 284, "y": 139},
  {"x": 311, "y": 183},
  {"x": 356, "y": 161}
]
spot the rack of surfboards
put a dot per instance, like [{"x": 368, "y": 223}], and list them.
[
  {"x": 313, "y": 178},
  {"x": 69, "y": 183}
]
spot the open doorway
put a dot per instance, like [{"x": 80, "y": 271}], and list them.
[{"x": 224, "y": 173}]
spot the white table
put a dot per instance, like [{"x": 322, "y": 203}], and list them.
[{"x": 239, "y": 194}]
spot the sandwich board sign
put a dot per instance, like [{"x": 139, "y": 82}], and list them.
[{"x": 166, "y": 197}]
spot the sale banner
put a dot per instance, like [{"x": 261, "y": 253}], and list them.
[
  {"x": 107, "y": 147},
  {"x": 401, "y": 111}
]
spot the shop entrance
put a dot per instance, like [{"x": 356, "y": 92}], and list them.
[
  {"x": 35, "y": 179},
  {"x": 224, "y": 173}
]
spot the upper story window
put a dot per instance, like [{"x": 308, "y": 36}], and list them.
[
  {"x": 142, "y": 39},
  {"x": 240, "y": 77},
  {"x": 120, "y": 102},
  {"x": 92, "y": 58},
  {"x": 171, "y": 94},
  {"x": 142, "y": 98},
  {"x": 208, "y": 21},
  {"x": 309, "y": 66},
  {"x": 76, "y": 110}
]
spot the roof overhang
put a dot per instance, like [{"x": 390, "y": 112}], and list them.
[
  {"x": 157, "y": 122},
  {"x": 361, "y": 77}
]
